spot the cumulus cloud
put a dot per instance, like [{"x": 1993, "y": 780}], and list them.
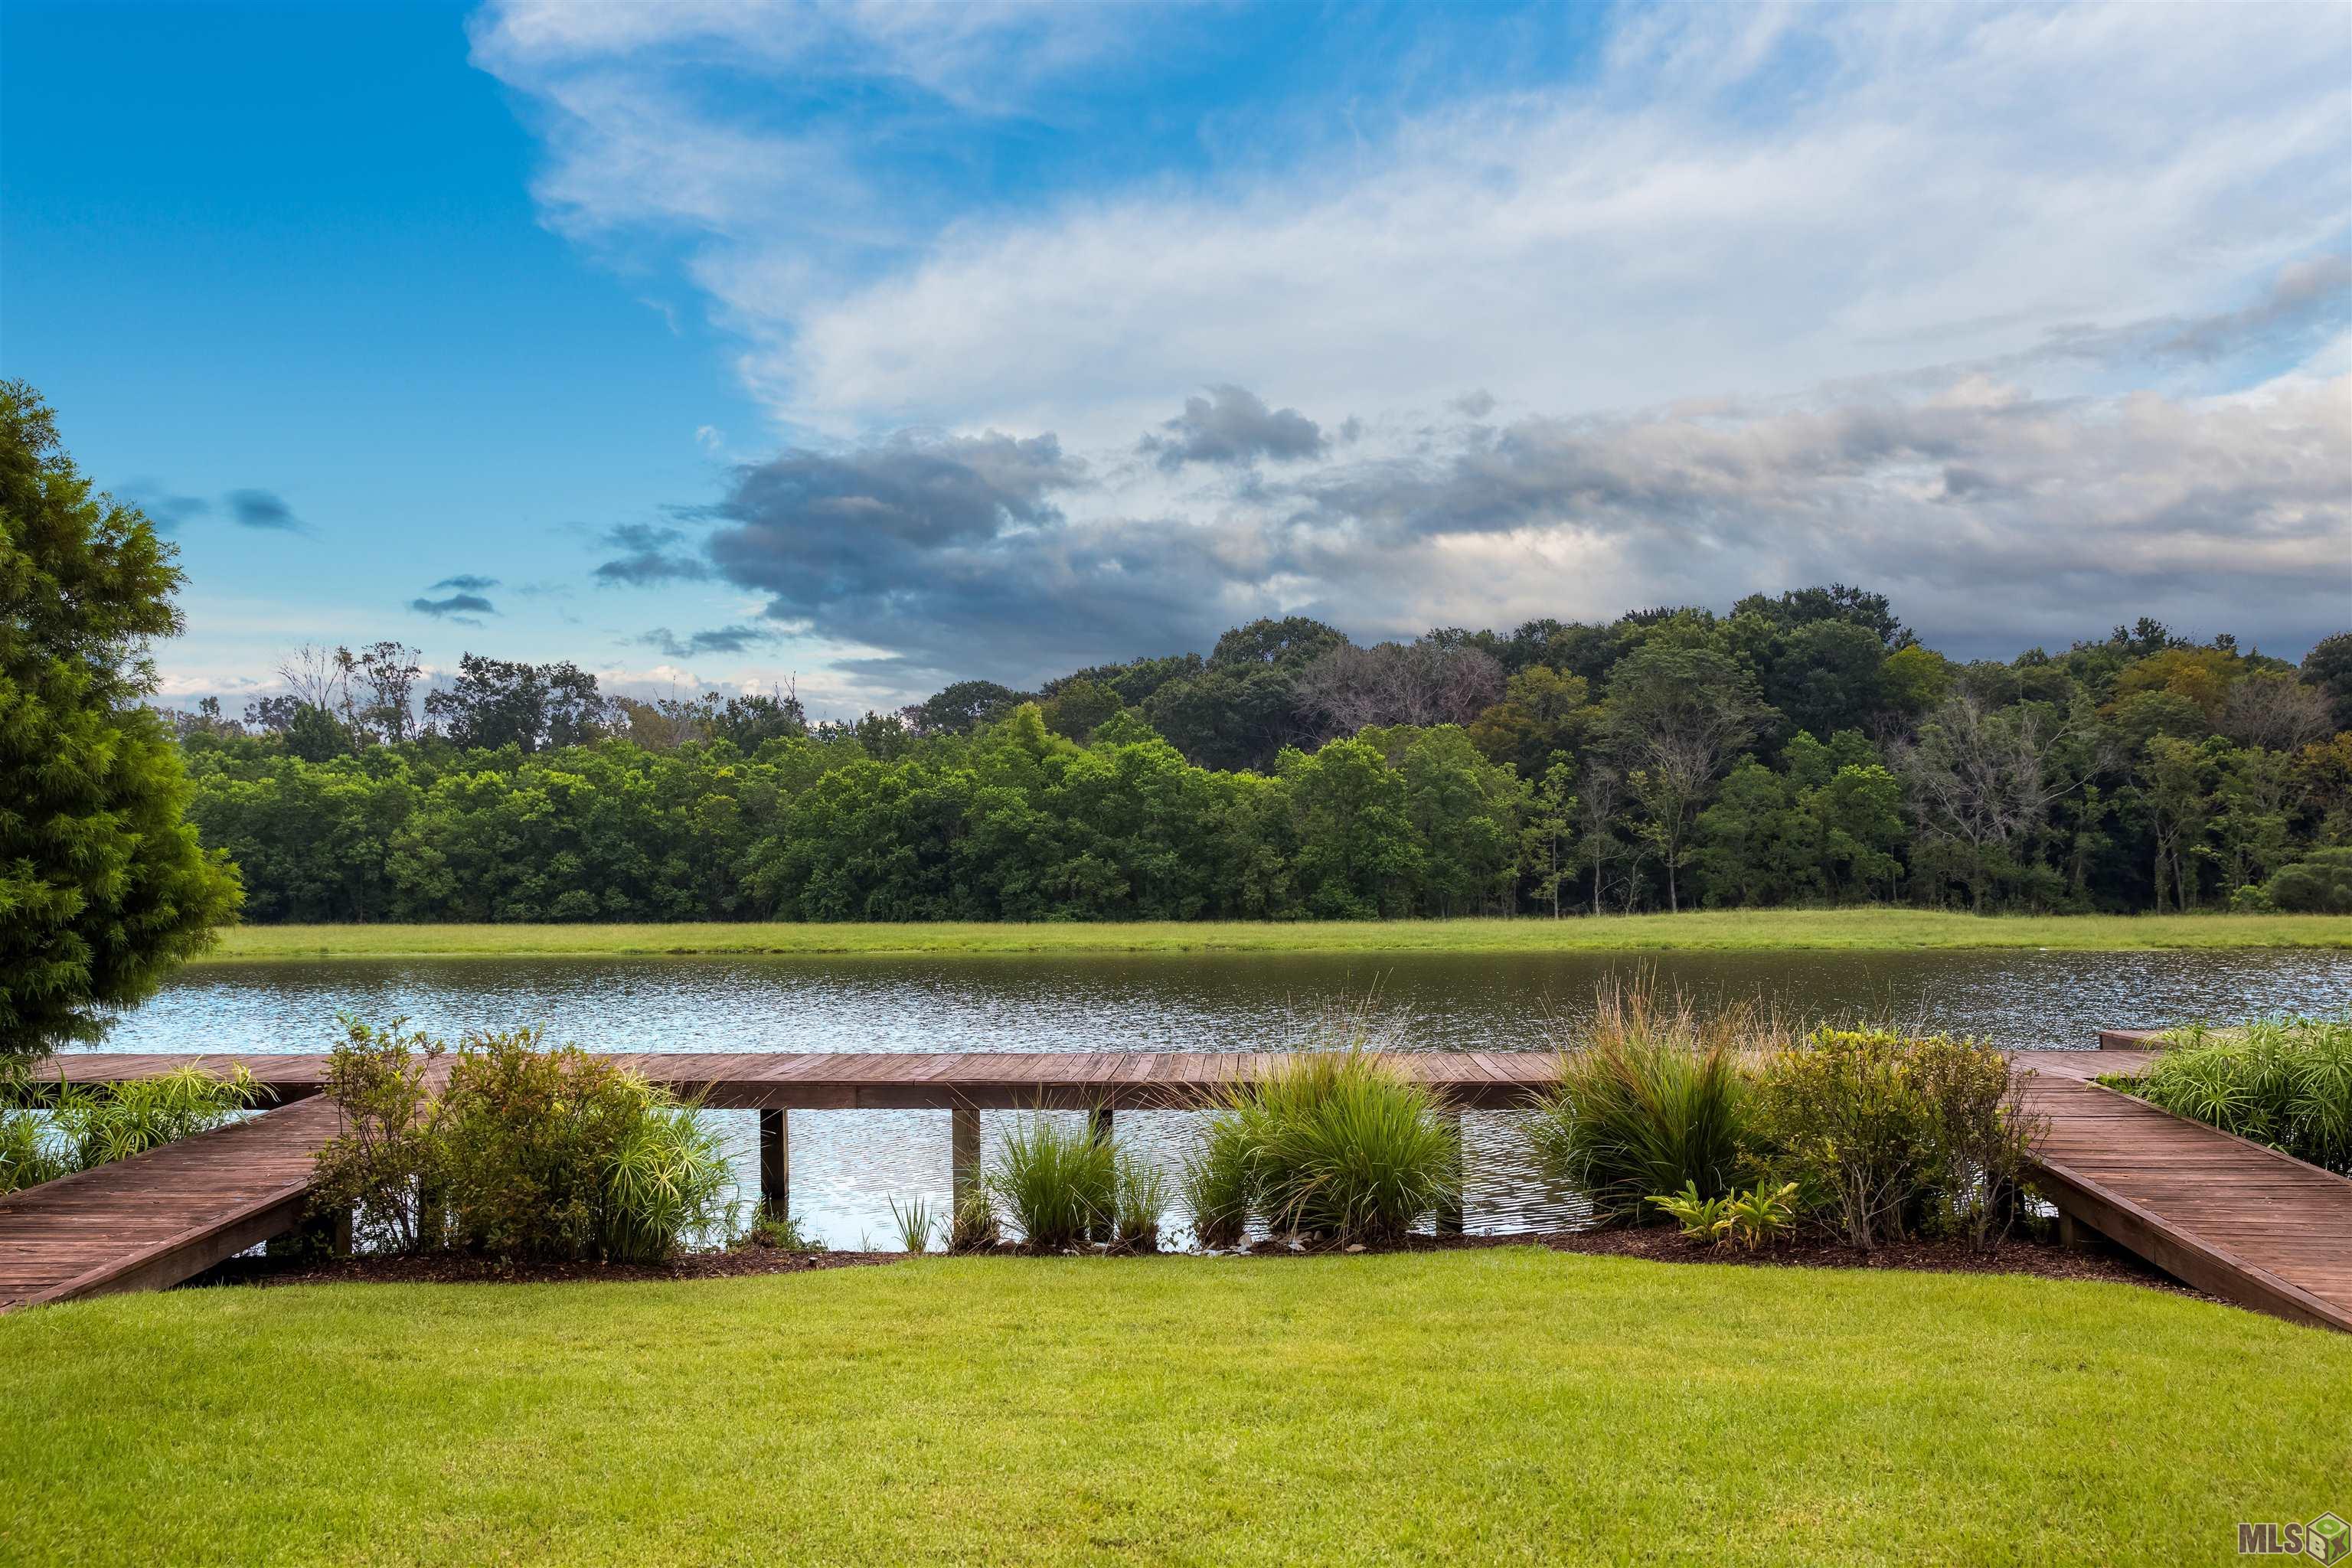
[
  {"x": 1232, "y": 425},
  {"x": 264, "y": 510},
  {"x": 2034, "y": 318}
]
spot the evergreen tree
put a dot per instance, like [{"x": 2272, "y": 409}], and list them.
[{"x": 103, "y": 887}]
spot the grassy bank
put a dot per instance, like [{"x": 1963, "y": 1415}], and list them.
[
  {"x": 1499, "y": 1406},
  {"x": 1855, "y": 931}
]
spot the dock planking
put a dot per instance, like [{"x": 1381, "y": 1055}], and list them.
[{"x": 2233, "y": 1218}]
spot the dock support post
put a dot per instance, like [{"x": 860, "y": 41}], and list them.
[
  {"x": 2073, "y": 1235},
  {"x": 776, "y": 1164},
  {"x": 963, "y": 1151},
  {"x": 1449, "y": 1213},
  {"x": 321, "y": 1233},
  {"x": 1098, "y": 1123}
]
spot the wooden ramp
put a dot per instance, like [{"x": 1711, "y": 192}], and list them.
[
  {"x": 163, "y": 1216},
  {"x": 2234, "y": 1219}
]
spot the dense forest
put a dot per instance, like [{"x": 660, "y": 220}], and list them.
[{"x": 1801, "y": 749}]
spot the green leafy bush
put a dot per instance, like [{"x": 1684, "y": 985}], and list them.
[
  {"x": 2284, "y": 1082},
  {"x": 1338, "y": 1146},
  {"x": 2319, "y": 884},
  {"x": 1751, "y": 1218},
  {"x": 524, "y": 1153},
  {"x": 88, "y": 1125},
  {"x": 1888, "y": 1137},
  {"x": 1653, "y": 1101},
  {"x": 1059, "y": 1184}
]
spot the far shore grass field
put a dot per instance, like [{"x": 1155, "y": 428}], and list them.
[
  {"x": 1506, "y": 1405},
  {"x": 1852, "y": 931}
]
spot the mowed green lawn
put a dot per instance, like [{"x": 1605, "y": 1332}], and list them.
[
  {"x": 1494, "y": 1405},
  {"x": 1858, "y": 931}
]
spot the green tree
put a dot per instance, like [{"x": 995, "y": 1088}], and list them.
[
  {"x": 1678, "y": 713},
  {"x": 103, "y": 885}
]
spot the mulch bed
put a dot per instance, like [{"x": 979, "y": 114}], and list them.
[
  {"x": 1655, "y": 1245},
  {"x": 457, "y": 1270}
]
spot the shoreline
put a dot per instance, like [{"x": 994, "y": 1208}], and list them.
[{"x": 1825, "y": 931}]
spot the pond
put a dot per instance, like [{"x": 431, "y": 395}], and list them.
[{"x": 848, "y": 1165}]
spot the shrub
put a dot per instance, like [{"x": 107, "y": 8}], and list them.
[
  {"x": 666, "y": 1180},
  {"x": 525, "y": 1154},
  {"x": 1059, "y": 1184},
  {"x": 387, "y": 1164},
  {"x": 780, "y": 1232},
  {"x": 1888, "y": 1137},
  {"x": 2320, "y": 883},
  {"x": 1338, "y": 1145},
  {"x": 2284, "y": 1082},
  {"x": 1652, "y": 1103},
  {"x": 88, "y": 1125}
]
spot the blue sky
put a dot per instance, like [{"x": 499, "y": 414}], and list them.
[{"x": 879, "y": 344}]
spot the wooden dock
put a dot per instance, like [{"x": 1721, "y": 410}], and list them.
[
  {"x": 2240, "y": 1221},
  {"x": 2231, "y": 1217},
  {"x": 164, "y": 1216}
]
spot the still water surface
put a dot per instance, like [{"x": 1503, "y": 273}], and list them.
[{"x": 847, "y": 1165}]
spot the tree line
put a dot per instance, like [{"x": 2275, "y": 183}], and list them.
[{"x": 1803, "y": 749}]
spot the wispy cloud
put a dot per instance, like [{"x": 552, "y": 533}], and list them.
[
  {"x": 654, "y": 554},
  {"x": 719, "y": 639},
  {"x": 466, "y": 583},
  {"x": 464, "y": 609}
]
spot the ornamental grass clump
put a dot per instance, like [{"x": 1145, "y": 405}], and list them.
[
  {"x": 1059, "y": 1184},
  {"x": 1336, "y": 1146},
  {"x": 2286, "y": 1082},
  {"x": 1216, "y": 1184},
  {"x": 1652, "y": 1103}
]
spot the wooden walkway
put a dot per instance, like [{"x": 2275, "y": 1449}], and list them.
[
  {"x": 2234, "y": 1219},
  {"x": 164, "y": 1216},
  {"x": 2231, "y": 1217}
]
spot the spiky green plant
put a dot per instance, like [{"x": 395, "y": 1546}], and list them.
[
  {"x": 1140, "y": 1203},
  {"x": 666, "y": 1181},
  {"x": 914, "y": 1222},
  {"x": 88, "y": 1125},
  {"x": 1650, "y": 1102},
  {"x": 2286, "y": 1082},
  {"x": 1339, "y": 1146},
  {"x": 971, "y": 1222},
  {"x": 1057, "y": 1183},
  {"x": 1216, "y": 1182}
]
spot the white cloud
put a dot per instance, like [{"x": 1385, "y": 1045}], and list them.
[{"x": 2016, "y": 312}]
